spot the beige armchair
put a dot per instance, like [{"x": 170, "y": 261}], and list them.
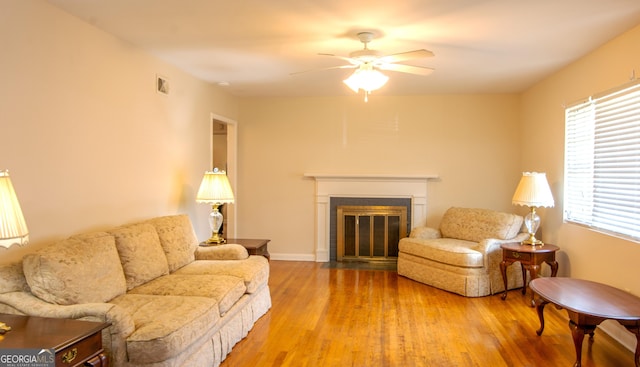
[{"x": 463, "y": 256}]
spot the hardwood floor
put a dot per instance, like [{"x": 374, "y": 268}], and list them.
[{"x": 341, "y": 317}]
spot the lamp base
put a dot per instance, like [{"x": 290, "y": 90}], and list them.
[
  {"x": 532, "y": 241},
  {"x": 215, "y": 239},
  {"x": 4, "y": 328}
]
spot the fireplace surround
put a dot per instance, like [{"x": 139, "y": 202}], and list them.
[{"x": 413, "y": 187}]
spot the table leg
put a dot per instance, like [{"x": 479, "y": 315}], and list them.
[
  {"x": 503, "y": 270},
  {"x": 578, "y": 337},
  {"x": 533, "y": 273},
  {"x": 578, "y": 331},
  {"x": 524, "y": 278},
  {"x": 554, "y": 268},
  {"x": 540, "y": 309}
]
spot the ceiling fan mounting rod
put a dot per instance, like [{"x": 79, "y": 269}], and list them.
[{"x": 365, "y": 38}]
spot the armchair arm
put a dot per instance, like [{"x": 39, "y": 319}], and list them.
[
  {"x": 425, "y": 233},
  {"x": 492, "y": 245},
  {"x": 222, "y": 252}
]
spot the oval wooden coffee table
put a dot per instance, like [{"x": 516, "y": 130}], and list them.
[{"x": 588, "y": 304}]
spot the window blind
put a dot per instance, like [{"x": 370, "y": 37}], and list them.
[{"x": 602, "y": 162}]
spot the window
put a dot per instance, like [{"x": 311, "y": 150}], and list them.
[{"x": 602, "y": 162}]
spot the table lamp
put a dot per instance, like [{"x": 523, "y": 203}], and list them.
[
  {"x": 13, "y": 229},
  {"x": 215, "y": 190},
  {"x": 533, "y": 191}
]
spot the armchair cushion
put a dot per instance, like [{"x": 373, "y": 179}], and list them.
[{"x": 446, "y": 250}]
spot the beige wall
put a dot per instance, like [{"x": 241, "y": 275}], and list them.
[
  {"x": 88, "y": 141},
  {"x": 585, "y": 254},
  {"x": 470, "y": 141}
]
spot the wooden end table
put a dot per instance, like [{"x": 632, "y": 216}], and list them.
[
  {"x": 530, "y": 258},
  {"x": 76, "y": 343},
  {"x": 588, "y": 304}
]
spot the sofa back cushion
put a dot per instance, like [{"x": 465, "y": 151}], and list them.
[
  {"x": 81, "y": 269},
  {"x": 479, "y": 224},
  {"x": 141, "y": 253},
  {"x": 177, "y": 238}
]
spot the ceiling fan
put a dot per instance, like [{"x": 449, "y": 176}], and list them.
[{"x": 368, "y": 64}]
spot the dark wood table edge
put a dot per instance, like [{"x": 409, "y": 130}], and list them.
[
  {"x": 98, "y": 358},
  {"x": 580, "y": 329}
]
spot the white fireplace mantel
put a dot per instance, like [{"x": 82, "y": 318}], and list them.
[{"x": 413, "y": 186}]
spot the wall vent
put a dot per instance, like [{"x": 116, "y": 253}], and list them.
[{"x": 162, "y": 85}]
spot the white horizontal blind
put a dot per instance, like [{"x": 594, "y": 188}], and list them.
[{"x": 602, "y": 162}]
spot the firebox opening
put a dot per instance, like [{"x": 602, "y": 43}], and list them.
[
  {"x": 368, "y": 229},
  {"x": 370, "y": 233}
]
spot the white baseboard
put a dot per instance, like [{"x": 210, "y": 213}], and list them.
[
  {"x": 618, "y": 333},
  {"x": 292, "y": 257}
]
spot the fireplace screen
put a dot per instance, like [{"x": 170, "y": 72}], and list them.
[{"x": 370, "y": 233}]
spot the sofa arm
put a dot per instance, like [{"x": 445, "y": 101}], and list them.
[
  {"x": 27, "y": 304},
  {"x": 425, "y": 233},
  {"x": 222, "y": 252}
]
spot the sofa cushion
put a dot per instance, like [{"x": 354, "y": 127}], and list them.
[
  {"x": 177, "y": 238},
  {"x": 253, "y": 270},
  {"x": 479, "y": 224},
  {"x": 165, "y": 325},
  {"x": 81, "y": 269},
  {"x": 445, "y": 250},
  {"x": 141, "y": 253},
  {"x": 225, "y": 289}
]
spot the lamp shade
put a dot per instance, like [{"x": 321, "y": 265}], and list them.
[
  {"x": 215, "y": 188},
  {"x": 13, "y": 229},
  {"x": 533, "y": 191}
]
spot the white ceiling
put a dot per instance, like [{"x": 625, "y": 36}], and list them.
[{"x": 480, "y": 46}]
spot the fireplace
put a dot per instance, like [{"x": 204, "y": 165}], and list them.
[
  {"x": 367, "y": 229},
  {"x": 330, "y": 187}
]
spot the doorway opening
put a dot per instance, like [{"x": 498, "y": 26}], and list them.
[{"x": 223, "y": 144}]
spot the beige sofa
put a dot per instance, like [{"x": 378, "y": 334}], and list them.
[
  {"x": 169, "y": 301},
  {"x": 463, "y": 256}
]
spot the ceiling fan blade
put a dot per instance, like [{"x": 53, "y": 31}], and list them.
[
  {"x": 322, "y": 69},
  {"x": 418, "y": 70},
  {"x": 348, "y": 59},
  {"x": 404, "y": 56}
]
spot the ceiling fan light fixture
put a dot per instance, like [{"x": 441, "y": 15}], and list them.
[{"x": 367, "y": 79}]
